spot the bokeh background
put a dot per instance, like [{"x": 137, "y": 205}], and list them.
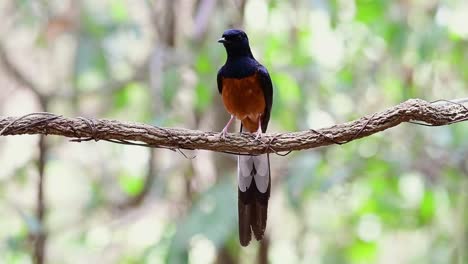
[{"x": 400, "y": 196}]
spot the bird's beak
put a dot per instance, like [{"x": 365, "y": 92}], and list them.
[{"x": 222, "y": 40}]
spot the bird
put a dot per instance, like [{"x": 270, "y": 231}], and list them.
[{"x": 247, "y": 93}]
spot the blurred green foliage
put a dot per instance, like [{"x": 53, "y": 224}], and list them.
[{"x": 396, "y": 197}]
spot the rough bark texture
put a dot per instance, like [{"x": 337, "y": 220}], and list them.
[{"x": 81, "y": 129}]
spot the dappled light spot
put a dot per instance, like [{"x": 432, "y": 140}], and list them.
[
  {"x": 369, "y": 227},
  {"x": 342, "y": 104},
  {"x": 368, "y": 149},
  {"x": 318, "y": 119},
  {"x": 202, "y": 250},
  {"x": 454, "y": 18},
  {"x": 325, "y": 44},
  {"x": 98, "y": 237},
  {"x": 411, "y": 189},
  {"x": 256, "y": 14}
]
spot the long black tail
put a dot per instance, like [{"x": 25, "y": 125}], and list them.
[{"x": 253, "y": 175}]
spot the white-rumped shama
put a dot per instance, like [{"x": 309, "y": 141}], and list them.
[{"x": 247, "y": 93}]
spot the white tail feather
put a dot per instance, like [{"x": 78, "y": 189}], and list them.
[
  {"x": 245, "y": 165},
  {"x": 244, "y": 172},
  {"x": 262, "y": 176}
]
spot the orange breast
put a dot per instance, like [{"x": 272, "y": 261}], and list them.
[{"x": 244, "y": 99}]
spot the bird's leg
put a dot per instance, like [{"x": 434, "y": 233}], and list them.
[
  {"x": 225, "y": 129},
  {"x": 259, "y": 130}
]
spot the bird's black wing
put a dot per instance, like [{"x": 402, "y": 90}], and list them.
[
  {"x": 267, "y": 88},
  {"x": 219, "y": 80}
]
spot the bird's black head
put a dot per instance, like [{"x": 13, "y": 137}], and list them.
[{"x": 236, "y": 43}]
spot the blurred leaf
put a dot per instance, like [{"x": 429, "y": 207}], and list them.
[
  {"x": 384, "y": 200},
  {"x": 284, "y": 118},
  {"x": 203, "y": 97},
  {"x": 135, "y": 97},
  {"x": 129, "y": 259},
  {"x": 214, "y": 216},
  {"x": 301, "y": 51},
  {"x": 363, "y": 252},
  {"x": 118, "y": 10},
  {"x": 395, "y": 35},
  {"x": 302, "y": 180},
  {"x": 15, "y": 257},
  {"x": 93, "y": 27},
  {"x": 275, "y": 51},
  {"x": 393, "y": 88},
  {"x": 18, "y": 241},
  {"x": 203, "y": 64},
  {"x": 334, "y": 255},
  {"x": 170, "y": 86},
  {"x": 132, "y": 93},
  {"x": 429, "y": 42},
  {"x": 21, "y": 175},
  {"x": 288, "y": 96},
  {"x": 334, "y": 9},
  {"x": 131, "y": 184},
  {"x": 427, "y": 207},
  {"x": 90, "y": 65},
  {"x": 459, "y": 132},
  {"x": 379, "y": 170},
  {"x": 287, "y": 87},
  {"x": 370, "y": 11},
  {"x": 96, "y": 198},
  {"x": 346, "y": 77},
  {"x": 159, "y": 253}
]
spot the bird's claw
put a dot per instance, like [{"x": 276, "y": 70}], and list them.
[
  {"x": 259, "y": 135},
  {"x": 223, "y": 134},
  {"x": 259, "y": 130}
]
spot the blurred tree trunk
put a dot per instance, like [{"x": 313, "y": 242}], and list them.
[
  {"x": 263, "y": 250},
  {"x": 40, "y": 236},
  {"x": 461, "y": 229}
]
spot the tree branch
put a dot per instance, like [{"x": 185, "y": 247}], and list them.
[{"x": 83, "y": 129}]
